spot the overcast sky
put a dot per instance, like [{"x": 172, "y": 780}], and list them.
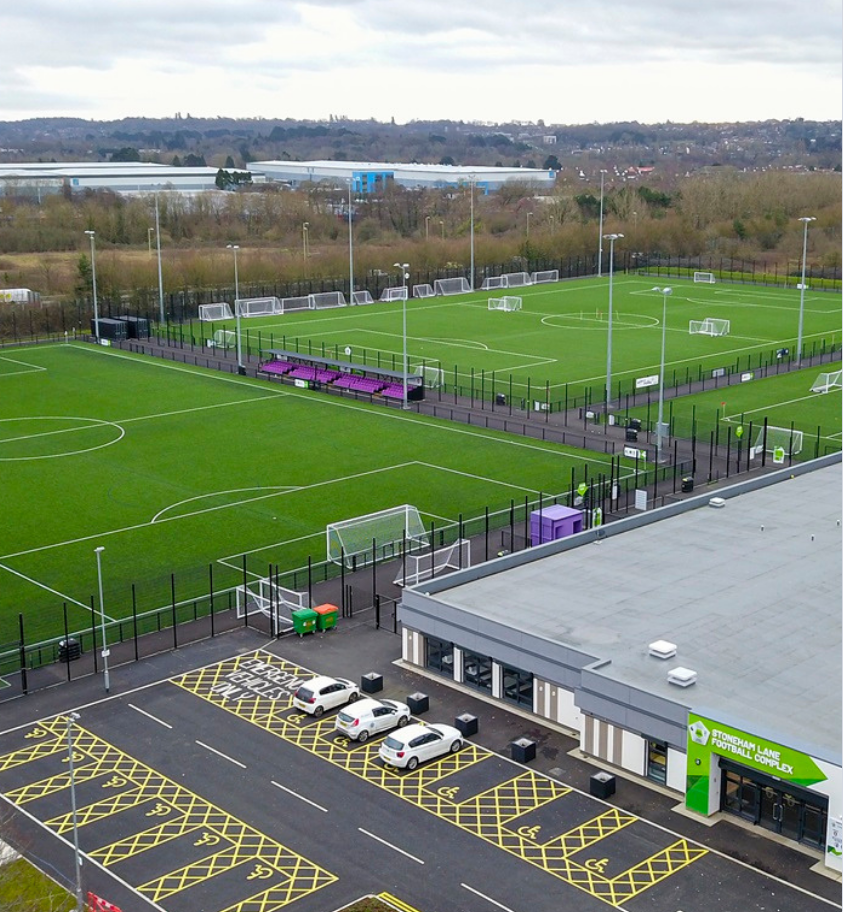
[{"x": 561, "y": 61}]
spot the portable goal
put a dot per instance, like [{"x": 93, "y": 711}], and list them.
[
  {"x": 451, "y": 286},
  {"x": 395, "y": 293},
  {"x": 425, "y": 290},
  {"x": 268, "y": 598},
  {"x": 220, "y": 310},
  {"x": 545, "y": 275},
  {"x": 321, "y": 300},
  {"x": 433, "y": 378},
  {"x": 362, "y": 297},
  {"x": 296, "y": 303},
  {"x": 493, "y": 282},
  {"x": 704, "y": 277},
  {"x": 711, "y": 326},
  {"x": 780, "y": 442},
  {"x": 826, "y": 382},
  {"x": 515, "y": 280},
  {"x": 223, "y": 339},
  {"x": 257, "y": 307},
  {"x": 507, "y": 303},
  {"x": 424, "y": 565},
  {"x": 377, "y": 536}
]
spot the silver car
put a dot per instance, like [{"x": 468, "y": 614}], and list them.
[{"x": 369, "y": 716}]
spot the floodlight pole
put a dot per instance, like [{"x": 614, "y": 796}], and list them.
[
  {"x": 601, "y": 235},
  {"x": 149, "y": 232},
  {"x": 350, "y": 249},
  {"x": 528, "y": 225},
  {"x": 105, "y": 651},
  {"x": 611, "y": 239},
  {"x": 304, "y": 228},
  {"x": 90, "y": 233},
  {"x": 161, "y": 318},
  {"x": 71, "y": 719},
  {"x": 665, "y": 292},
  {"x": 234, "y": 248},
  {"x": 804, "y": 220},
  {"x": 404, "y": 277},
  {"x": 427, "y": 228},
  {"x": 471, "y": 187}
]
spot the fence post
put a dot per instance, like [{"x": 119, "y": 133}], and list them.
[
  {"x": 211, "y": 595},
  {"x": 23, "y": 679},
  {"x": 377, "y": 611},
  {"x": 245, "y": 596},
  {"x": 94, "y": 634},
  {"x": 135, "y": 620},
  {"x": 175, "y": 623},
  {"x": 66, "y": 640}
]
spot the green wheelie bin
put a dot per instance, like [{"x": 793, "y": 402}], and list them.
[{"x": 304, "y": 621}]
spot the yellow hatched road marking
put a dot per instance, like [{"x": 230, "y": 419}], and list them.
[{"x": 484, "y": 815}]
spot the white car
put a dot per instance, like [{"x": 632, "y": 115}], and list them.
[
  {"x": 368, "y": 716},
  {"x": 417, "y": 743},
  {"x": 324, "y": 693}
]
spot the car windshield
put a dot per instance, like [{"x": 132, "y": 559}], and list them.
[
  {"x": 304, "y": 694},
  {"x": 393, "y": 743}
]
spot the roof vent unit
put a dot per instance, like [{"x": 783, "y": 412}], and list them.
[
  {"x": 681, "y": 676},
  {"x": 662, "y": 649},
  {"x": 717, "y": 502}
]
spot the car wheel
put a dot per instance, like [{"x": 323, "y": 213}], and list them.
[
  {"x": 456, "y": 745},
  {"x": 412, "y": 764},
  {"x": 318, "y": 711},
  {"x": 353, "y": 696},
  {"x": 364, "y": 734},
  {"x": 403, "y": 720}
]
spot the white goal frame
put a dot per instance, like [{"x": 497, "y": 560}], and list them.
[
  {"x": 704, "y": 277},
  {"x": 223, "y": 339},
  {"x": 828, "y": 381},
  {"x": 425, "y": 290},
  {"x": 433, "y": 377},
  {"x": 452, "y": 557},
  {"x": 457, "y": 286},
  {"x": 219, "y": 310},
  {"x": 395, "y": 293},
  {"x": 507, "y": 303},
  {"x": 545, "y": 275},
  {"x": 711, "y": 326},
  {"x": 351, "y": 540},
  {"x": 296, "y": 303},
  {"x": 492, "y": 282},
  {"x": 516, "y": 280},
  {"x": 362, "y": 297},
  {"x": 257, "y": 307},
  {"x": 268, "y": 598},
  {"x": 785, "y": 440},
  {"x": 321, "y": 300}
]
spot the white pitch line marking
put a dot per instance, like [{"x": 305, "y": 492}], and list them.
[
  {"x": 225, "y": 756},
  {"x": 153, "y": 718},
  {"x": 298, "y": 796},
  {"x": 484, "y": 896},
  {"x": 391, "y": 846}
]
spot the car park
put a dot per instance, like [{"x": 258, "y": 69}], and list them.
[
  {"x": 418, "y": 743},
  {"x": 324, "y": 693},
  {"x": 369, "y": 716}
]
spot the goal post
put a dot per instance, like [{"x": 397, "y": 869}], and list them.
[
  {"x": 219, "y": 310},
  {"x": 362, "y": 297},
  {"x": 492, "y": 282},
  {"x": 827, "y": 381},
  {"x": 433, "y": 377},
  {"x": 223, "y": 339},
  {"x": 352, "y": 541},
  {"x": 424, "y": 565},
  {"x": 268, "y": 598},
  {"x": 545, "y": 275},
  {"x": 394, "y": 293},
  {"x": 257, "y": 307},
  {"x": 320, "y": 300},
  {"x": 704, "y": 277},
  {"x": 456, "y": 286},
  {"x": 507, "y": 303},
  {"x": 296, "y": 303},
  {"x": 515, "y": 280},
  {"x": 780, "y": 442},
  {"x": 711, "y": 326},
  {"x": 425, "y": 290}
]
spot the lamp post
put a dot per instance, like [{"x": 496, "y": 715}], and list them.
[
  {"x": 611, "y": 239},
  {"x": 805, "y": 220},
  {"x": 528, "y": 225},
  {"x": 149, "y": 232},
  {"x": 600, "y": 248},
  {"x": 234, "y": 248},
  {"x": 90, "y": 233},
  {"x": 427, "y": 228},
  {"x": 404, "y": 277},
  {"x": 105, "y": 651},
  {"x": 160, "y": 276},
  {"x": 471, "y": 189},
  {"x": 350, "y": 249},
  {"x": 304, "y": 239},
  {"x": 660, "y": 429},
  {"x": 442, "y": 226},
  {"x": 71, "y": 719}
]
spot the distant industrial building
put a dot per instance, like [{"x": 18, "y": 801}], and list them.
[{"x": 369, "y": 177}]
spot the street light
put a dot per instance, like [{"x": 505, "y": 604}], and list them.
[
  {"x": 71, "y": 719},
  {"x": 427, "y": 228},
  {"x": 442, "y": 226},
  {"x": 600, "y": 249},
  {"x": 804, "y": 220},
  {"x": 471, "y": 188},
  {"x": 99, "y": 550},
  {"x": 660, "y": 429},
  {"x": 234, "y": 248},
  {"x": 404, "y": 277},
  {"x": 528, "y": 225},
  {"x": 91, "y": 235},
  {"x": 350, "y": 250},
  {"x": 304, "y": 238},
  {"x": 149, "y": 232},
  {"x": 611, "y": 239},
  {"x": 160, "y": 277}
]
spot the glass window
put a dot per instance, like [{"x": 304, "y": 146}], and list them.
[
  {"x": 477, "y": 670},
  {"x": 518, "y": 686},
  {"x": 656, "y": 761},
  {"x": 440, "y": 655}
]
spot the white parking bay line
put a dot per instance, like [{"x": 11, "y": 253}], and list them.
[
  {"x": 227, "y": 758},
  {"x": 391, "y": 846},
  {"x": 485, "y": 897},
  {"x": 292, "y": 793},
  {"x": 153, "y": 718}
]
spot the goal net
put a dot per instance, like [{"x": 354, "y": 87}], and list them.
[
  {"x": 433, "y": 377},
  {"x": 514, "y": 280},
  {"x": 223, "y": 339},
  {"x": 711, "y": 326},
  {"x": 269, "y": 599},
  {"x": 296, "y": 303},
  {"x": 704, "y": 277},
  {"x": 545, "y": 275},
  {"x": 780, "y": 442},
  {"x": 493, "y": 282},
  {"x": 364, "y": 297},
  {"x": 425, "y": 290},
  {"x": 395, "y": 293},
  {"x": 828, "y": 381},
  {"x": 321, "y": 300},
  {"x": 451, "y": 286},
  {"x": 420, "y": 567},
  {"x": 220, "y": 310},
  {"x": 507, "y": 303},
  {"x": 257, "y": 307},
  {"x": 386, "y": 531}
]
